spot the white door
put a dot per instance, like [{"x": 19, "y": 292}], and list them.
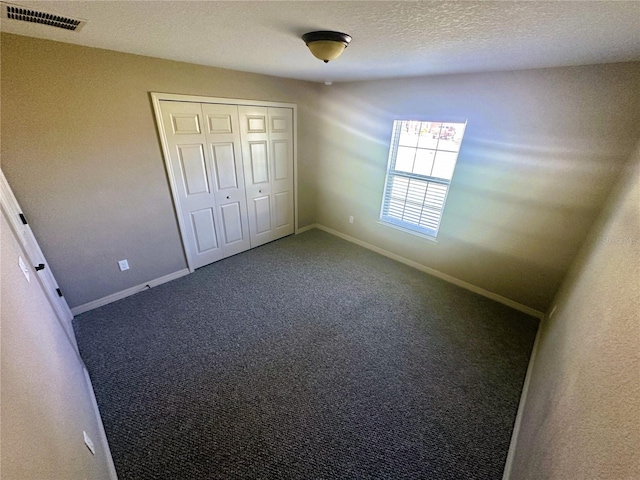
[
  {"x": 223, "y": 142},
  {"x": 192, "y": 180},
  {"x": 281, "y": 138},
  {"x": 267, "y": 148},
  {"x": 257, "y": 172},
  {"x": 35, "y": 257},
  {"x": 231, "y": 169}
]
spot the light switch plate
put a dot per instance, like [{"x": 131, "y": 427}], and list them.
[
  {"x": 124, "y": 265},
  {"x": 24, "y": 268},
  {"x": 89, "y": 443}
]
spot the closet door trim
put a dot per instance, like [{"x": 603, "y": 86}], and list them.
[{"x": 157, "y": 97}]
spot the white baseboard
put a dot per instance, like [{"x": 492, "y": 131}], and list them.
[
  {"x": 436, "y": 273},
  {"x": 523, "y": 400},
  {"x": 129, "y": 291},
  {"x": 103, "y": 435},
  {"x": 307, "y": 228}
]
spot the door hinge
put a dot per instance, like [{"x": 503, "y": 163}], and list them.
[
  {"x": 23, "y": 218},
  {"x": 39, "y": 267},
  {"x": 59, "y": 292}
]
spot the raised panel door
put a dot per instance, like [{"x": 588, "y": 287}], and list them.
[
  {"x": 192, "y": 178},
  {"x": 257, "y": 172},
  {"x": 223, "y": 138},
  {"x": 280, "y": 123},
  {"x": 232, "y": 175}
]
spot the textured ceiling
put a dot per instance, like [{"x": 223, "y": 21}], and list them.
[{"x": 390, "y": 39}]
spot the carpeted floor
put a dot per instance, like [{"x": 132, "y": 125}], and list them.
[{"x": 307, "y": 358}]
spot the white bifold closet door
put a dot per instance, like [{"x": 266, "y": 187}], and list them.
[
  {"x": 267, "y": 150},
  {"x": 206, "y": 165},
  {"x": 231, "y": 170}
]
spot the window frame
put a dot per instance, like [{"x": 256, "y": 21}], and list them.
[{"x": 391, "y": 173}]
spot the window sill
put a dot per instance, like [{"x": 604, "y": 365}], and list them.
[{"x": 410, "y": 232}]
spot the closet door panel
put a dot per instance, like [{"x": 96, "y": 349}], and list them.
[
  {"x": 262, "y": 209},
  {"x": 193, "y": 169},
  {"x": 192, "y": 178},
  {"x": 224, "y": 161},
  {"x": 232, "y": 220},
  {"x": 223, "y": 139},
  {"x": 281, "y": 143},
  {"x": 257, "y": 172},
  {"x": 283, "y": 210},
  {"x": 205, "y": 230},
  {"x": 232, "y": 175},
  {"x": 281, "y": 159}
]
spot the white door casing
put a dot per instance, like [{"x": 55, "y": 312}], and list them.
[{"x": 35, "y": 257}]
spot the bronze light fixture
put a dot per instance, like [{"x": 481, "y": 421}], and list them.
[{"x": 326, "y": 45}]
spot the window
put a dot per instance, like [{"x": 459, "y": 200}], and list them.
[{"x": 422, "y": 158}]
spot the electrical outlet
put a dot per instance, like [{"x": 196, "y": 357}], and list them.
[
  {"x": 89, "y": 443},
  {"x": 24, "y": 268},
  {"x": 124, "y": 265},
  {"x": 351, "y": 219}
]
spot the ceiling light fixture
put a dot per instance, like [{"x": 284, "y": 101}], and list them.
[{"x": 326, "y": 45}]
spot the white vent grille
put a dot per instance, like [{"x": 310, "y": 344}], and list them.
[{"x": 16, "y": 12}]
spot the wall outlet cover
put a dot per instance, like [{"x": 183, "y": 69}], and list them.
[{"x": 124, "y": 265}]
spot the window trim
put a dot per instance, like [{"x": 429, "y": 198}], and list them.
[{"x": 412, "y": 229}]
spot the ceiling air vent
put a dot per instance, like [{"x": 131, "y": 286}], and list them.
[{"x": 15, "y": 12}]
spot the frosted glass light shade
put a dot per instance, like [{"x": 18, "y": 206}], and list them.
[
  {"x": 326, "y": 45},
  {"x": 326, "y": 49}
]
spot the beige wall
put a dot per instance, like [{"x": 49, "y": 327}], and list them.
[
  {"x": 81, "y": 152},
  {"x": 541, "y": 150},
  {"x": 539, "y": 155},
  {"x": 45, "y": 403},
  {"x": 581, "y": 417}
]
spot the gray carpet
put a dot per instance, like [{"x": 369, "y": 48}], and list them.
[{"x": 307, "y": 358}]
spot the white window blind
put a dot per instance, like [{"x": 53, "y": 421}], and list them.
[{"x": 422, "y": 159}]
